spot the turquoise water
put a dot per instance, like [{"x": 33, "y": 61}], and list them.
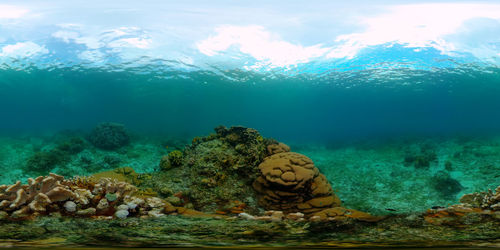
[
  {"x": 397, "y": 103},
  {"x": 337, "y": 107},
  {"x": 356, "y": 128}
]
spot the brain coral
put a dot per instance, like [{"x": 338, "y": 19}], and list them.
[
  {"x": 291, "y": 183},
  {"x": 109, "y": 136},
  {"x": 277, "y": 148}
]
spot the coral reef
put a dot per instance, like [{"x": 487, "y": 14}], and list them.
[
  {"x": 86, "y": 197},
  {"x": 228, "y": 173},
  {"x": 173, "y": 159},
  {"x": 290, "y": 182},
  {"x": 483, "y": 200},
  {"x": 109, "y": 136},
  {"x": 216, "y": 171},
  {"x": 234, "y": 187},
  {"x": 473, "y": 208},
  {"x": 277, "y": 148}
]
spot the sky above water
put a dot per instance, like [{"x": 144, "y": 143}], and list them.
[{"x": 251, "y": 35}]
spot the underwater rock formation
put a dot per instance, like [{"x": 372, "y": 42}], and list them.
[
  {"x": 78, "y": 197},
  {"x": 290, "y": 182},
  {"x": 109, "y": 136}
]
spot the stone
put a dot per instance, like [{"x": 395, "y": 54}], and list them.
[
  {"x": 70, "y": 206},
  {"x": 121, "y": 214}
]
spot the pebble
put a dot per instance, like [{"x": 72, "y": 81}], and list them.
[
  {"x": 122, "y": 207},
  {"x": 121, "y": 214},
  {"x": 246, "y": 216},
  {"x": 70, "y": 206}
]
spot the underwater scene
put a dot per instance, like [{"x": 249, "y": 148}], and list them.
[{"x": 249, "y": 124}]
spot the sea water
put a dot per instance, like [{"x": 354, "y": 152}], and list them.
[{"x": 359, "y": 116}]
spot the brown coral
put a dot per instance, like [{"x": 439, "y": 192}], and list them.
[
  {"x": 290, "y": 182},
  {"x": 340, "y": 214},
  {"x": 277, "y": 148},
  {"x": 483, "y": 203},
  {"x": 33, "y": 197},
  {"x": 85, "y": 196}
]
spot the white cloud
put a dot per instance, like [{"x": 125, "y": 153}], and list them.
[
  {"x": 416, "y": 25},
  {"x": 10, "y": 11},
  {"x": 23, "y": 49},
  {"x": 260, "y": 44}
]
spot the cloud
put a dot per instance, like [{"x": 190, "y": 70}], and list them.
[
  {"x": 10, "y": 11},
  {"x": 259, "y": 43},
  {"x": 23, "y": 49},
  {"x": 415, "y": 25}
]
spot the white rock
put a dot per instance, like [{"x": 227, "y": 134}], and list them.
[
  {"x": 131, "y": 205},
  {"x": 121, "y": 214},
  {"x": 122, "y": 207},
  {"x": 70, "y": 206},
  {"x": 246, "y": 216}
]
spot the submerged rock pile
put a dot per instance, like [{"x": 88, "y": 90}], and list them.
[
  {"x": 79, "y": 197},
  {"x": 290, "y": 182}
]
